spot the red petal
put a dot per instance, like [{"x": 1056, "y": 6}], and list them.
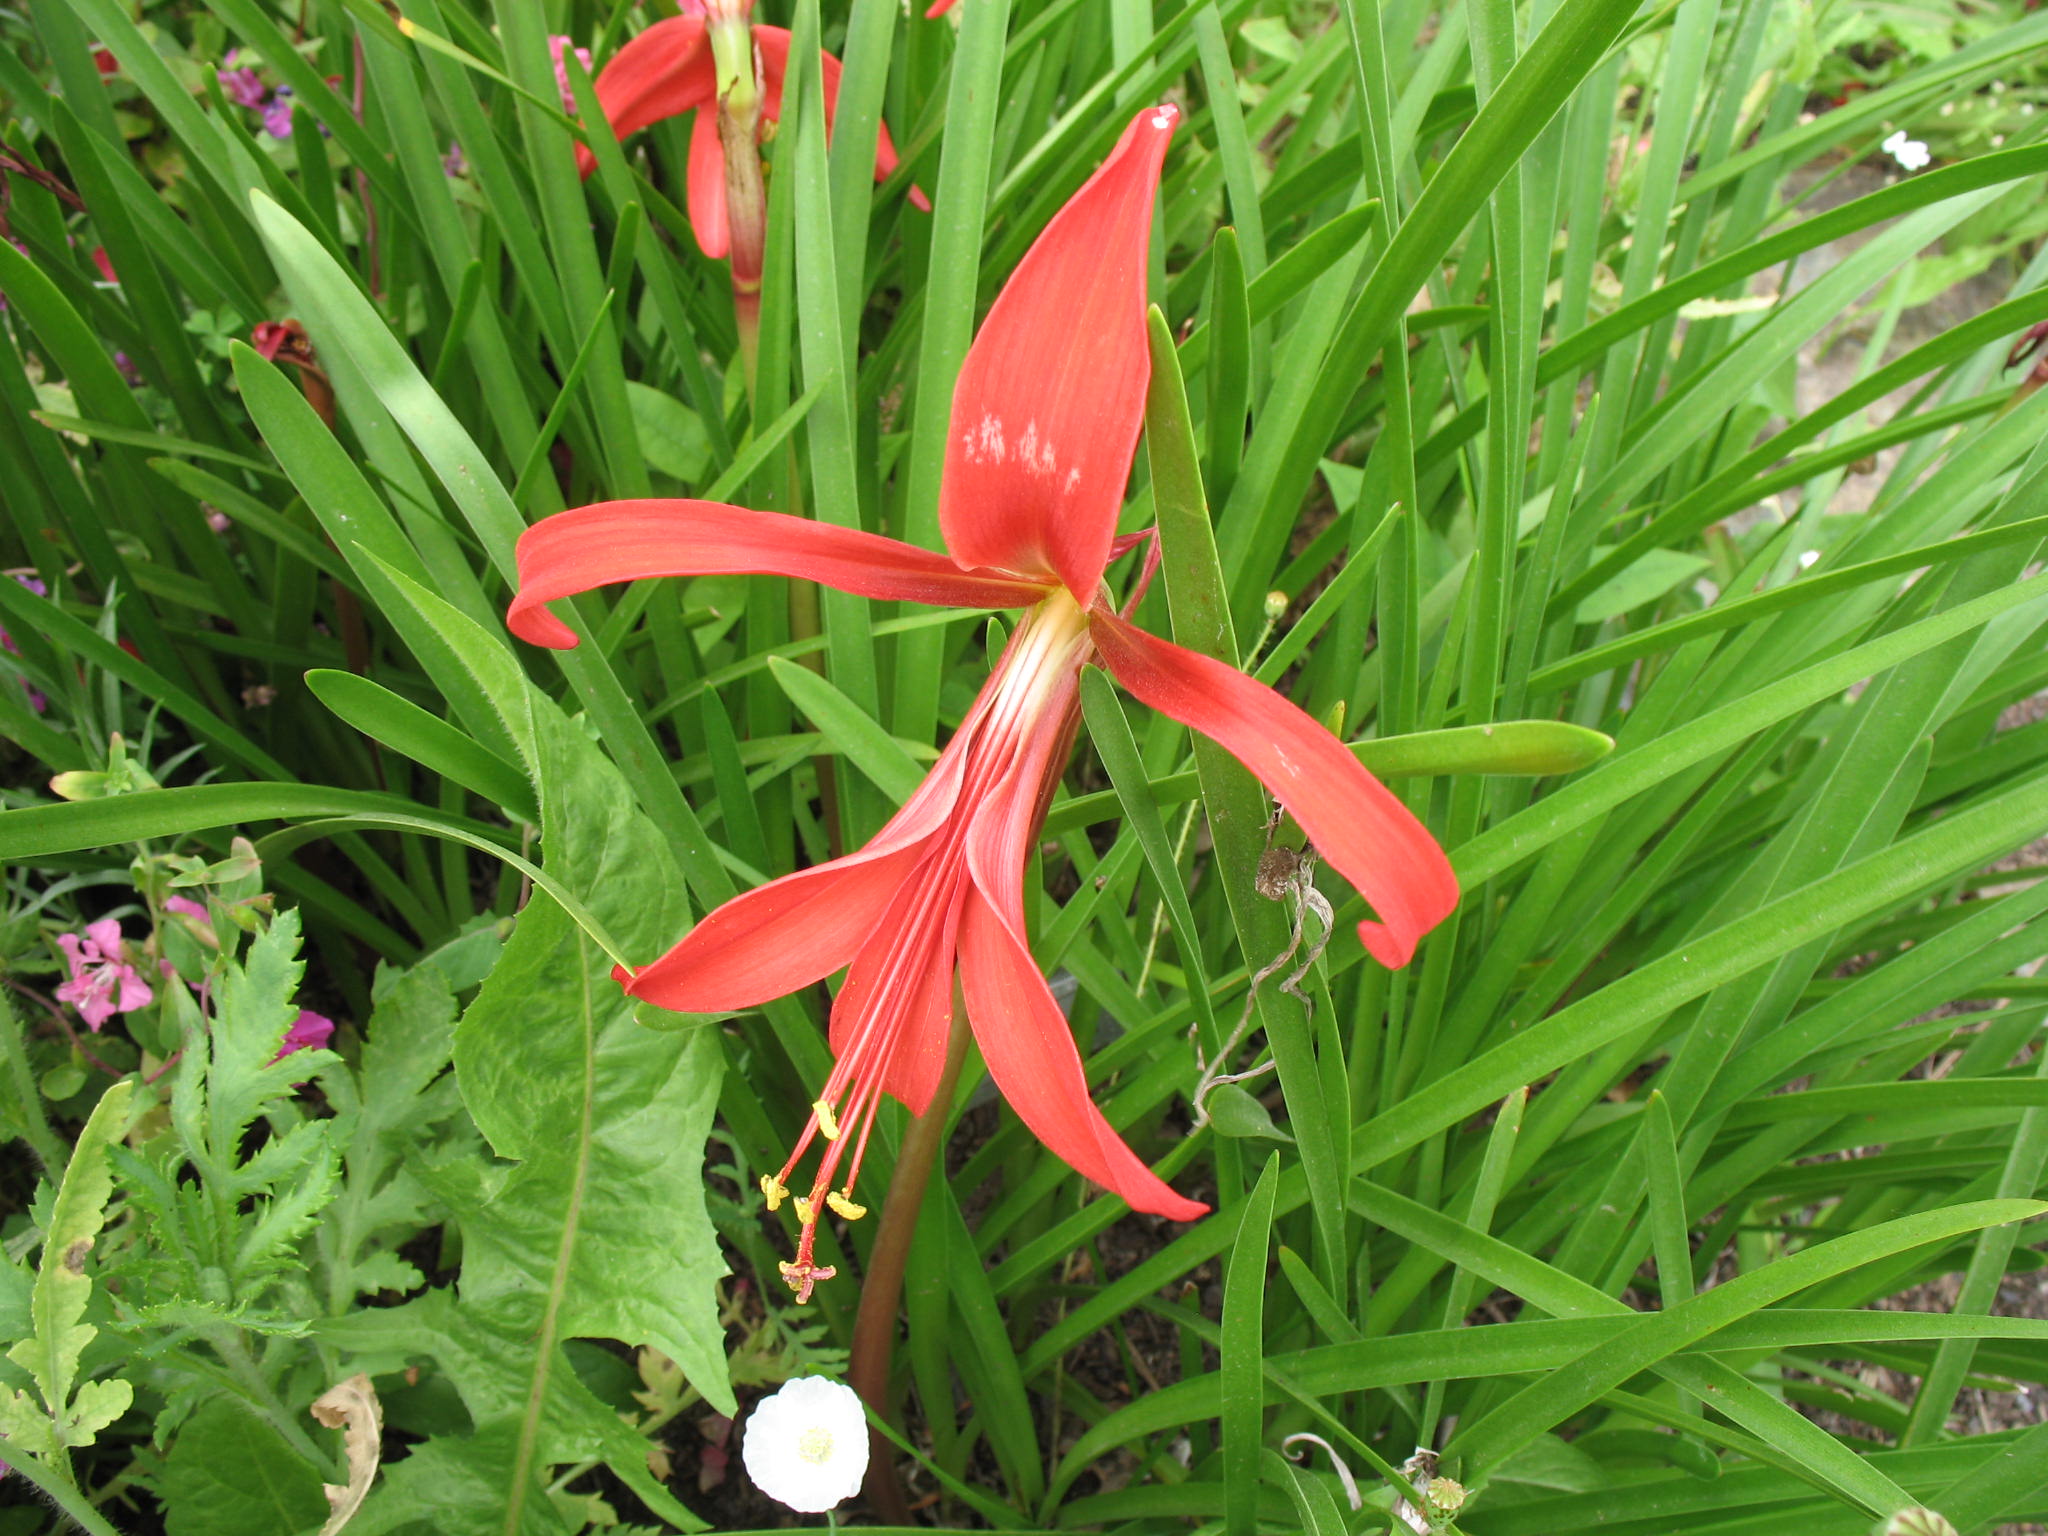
[
  {"x": 1024, "y": 1037},
  {"x": 791, "y": 932},
  {"x": 706, "y": 187},
  {"x": 939, "y": 8},
  {"x": 611, "y": 541},
  {"x": 774, "y": 45},
  {"x": 664, "y": 71},
  {"x": 1368, "y": 836},
  {"x": 1030, "y": 1052},
  {"x": 1050, "y": 398}
]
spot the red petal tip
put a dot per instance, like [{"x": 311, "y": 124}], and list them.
[{"x": 1049, "y": 400}]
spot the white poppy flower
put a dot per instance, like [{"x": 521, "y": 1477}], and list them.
[
  {"x": 807, "y": 1445},
  {"x": 1910, "y": 153}
]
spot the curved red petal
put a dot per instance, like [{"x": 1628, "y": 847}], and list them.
[
  {"x": 939, "y": 8},
  {"x": 786, "y": 934},
  {"x": 612, "y": 541},
  {"x": 665, "y": 70},
  {"x": 1368, "y": 836},
  {"x": 1030, "y": 1052},
  {"x": 1049, "y": 401},
  {"x": 1023, "y": 1036},
  {"x": 706, "y": 188},
  {"x": 778, "y": 937}
]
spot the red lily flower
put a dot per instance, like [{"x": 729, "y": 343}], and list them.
[
  {"x": 668, "y": 70},
  {"x": 1045, "y": 419}
]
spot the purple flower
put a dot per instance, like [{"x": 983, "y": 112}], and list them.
[
  {"x": 453, "y": 163},
  {"x": 309, "y": 1031},
  {"x": 558, "y": 46},
  {"x": 102, "y": 983},
  {"x": 36, "y": 701},
  {"x": 244, "y": 87},
  {"x": 6, "y": 640},
  {"x": 277, "y": 117}
]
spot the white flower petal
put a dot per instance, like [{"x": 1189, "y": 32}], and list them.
[{"x": 807, "y": 1445}]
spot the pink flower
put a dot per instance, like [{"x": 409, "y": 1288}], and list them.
[
  {"x": 244, "y": 87},
  {"x": 558, "y": 46},
  {"x": 309, "y": 1031},
  {"x": 102, "y": 983},
  {"x": 193, "y": 917}
]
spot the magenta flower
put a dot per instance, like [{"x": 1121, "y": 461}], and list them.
[
  {"x": 102, "y": 983},
  {"x": 309, "y": 1032},
  {"x": 244, "y": 87}
]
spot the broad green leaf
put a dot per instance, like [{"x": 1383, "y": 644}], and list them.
[{"x": 227, "y": 1474}]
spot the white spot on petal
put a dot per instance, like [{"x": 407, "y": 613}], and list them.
[{"x": 991, "y": 438}]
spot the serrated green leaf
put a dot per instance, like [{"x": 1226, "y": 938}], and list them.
[{"x": 51, "y": 1354}]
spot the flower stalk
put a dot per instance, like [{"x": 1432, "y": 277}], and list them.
[{"x": 874, "y": 1324}]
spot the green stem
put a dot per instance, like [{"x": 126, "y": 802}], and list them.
[
  {"x": 34, "y": 1125},
  {"x": 874, "y": 1326},
  {"x": 60, "y": 1492}
]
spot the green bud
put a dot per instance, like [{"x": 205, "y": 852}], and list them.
[{"x": 1443, "y": 1496}]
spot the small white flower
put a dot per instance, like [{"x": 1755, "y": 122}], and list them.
[
  {"x": 807, "y": 1445},
  {"x": 1910, "y": 153}
]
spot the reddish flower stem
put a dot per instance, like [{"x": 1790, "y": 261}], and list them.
[{"x": 874, "y": 1325}]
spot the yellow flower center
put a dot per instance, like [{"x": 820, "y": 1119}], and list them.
[{"x": 815, "y": 1445}]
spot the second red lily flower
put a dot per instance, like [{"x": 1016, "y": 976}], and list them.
[
  {"x": 1045, "y": 419},
  {"x": 668, "y": 70}
]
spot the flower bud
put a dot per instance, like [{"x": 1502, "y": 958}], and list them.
[
  {"x": 1276, "y": 606},
  {"x": 1917, "y": 1521}
]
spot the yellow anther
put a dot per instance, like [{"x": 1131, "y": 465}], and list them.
[
  {"x": 845, "y": 1207},
  {"x": 773, "y": 1190},
  {"x": 805, "y": 1212},
  {"x": 828, "y": 1123},
  {"x": 788, "y": 1269}
]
